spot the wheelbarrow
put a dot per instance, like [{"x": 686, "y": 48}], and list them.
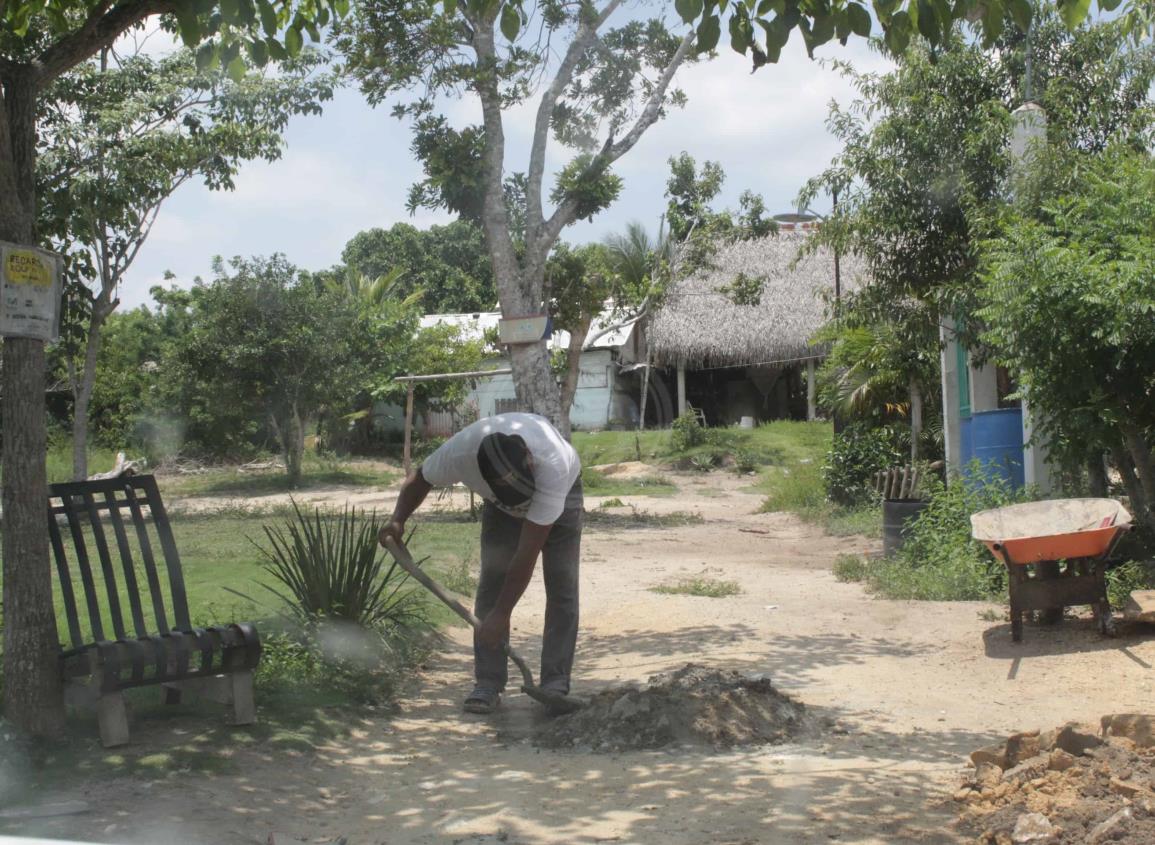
[{"x": 1055, "y": 552}]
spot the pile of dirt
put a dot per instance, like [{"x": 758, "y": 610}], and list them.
[
  {"x": 692, "y": 706},
  {"x": 1071, "y": 785}
]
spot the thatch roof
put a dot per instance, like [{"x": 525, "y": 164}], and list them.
[{"x": 699, "y": 324}]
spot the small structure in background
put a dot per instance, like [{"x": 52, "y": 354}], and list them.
[
  {"x": 736, "y": 337},
  {"x": 608, "y": 382}
]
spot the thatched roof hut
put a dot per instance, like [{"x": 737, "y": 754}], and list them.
[{"x": 700, "y": 325}]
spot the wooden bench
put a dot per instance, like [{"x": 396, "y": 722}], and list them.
[{"x": 113, "y": 530}]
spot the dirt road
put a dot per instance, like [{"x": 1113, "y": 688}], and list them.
[{"x": 912, "y": 687}]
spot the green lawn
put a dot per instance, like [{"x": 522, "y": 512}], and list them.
[{"x": 784, "y": 441}]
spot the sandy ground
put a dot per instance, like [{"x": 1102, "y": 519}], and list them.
[{"x": 914, "y": 687}]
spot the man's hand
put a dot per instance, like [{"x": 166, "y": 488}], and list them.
[
  {"x": 494, "y": 630},
  {"x": 392, "y": 530}
]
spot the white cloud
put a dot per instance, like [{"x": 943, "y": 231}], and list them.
[{"x": 350, "y": 169}]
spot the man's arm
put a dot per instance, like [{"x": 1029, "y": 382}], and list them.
[
  {"x": 413, "y": 493},
  {"x": 495, "y": 627}
]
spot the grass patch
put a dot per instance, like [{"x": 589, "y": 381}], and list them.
[
  {"x": 712, "y": 588},
  {"x": 612, "y": 503},
  {"x": 597, "y": 483},
  {"x": 783, "y": 442},
  {"x": 849, "y": 569},
  {"x": 315, "y": 473},
  {"x": 636, "y": 518}
]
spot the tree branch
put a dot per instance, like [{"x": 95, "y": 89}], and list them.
[
  {"x": 102, "y": 27},
  {"x": 611, "y": 151},
  {"x": 495, "y": 216},
  {"x": 586, "y": 35}
]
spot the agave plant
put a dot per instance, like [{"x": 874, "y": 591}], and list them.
[{"x": 332, "y": 569}]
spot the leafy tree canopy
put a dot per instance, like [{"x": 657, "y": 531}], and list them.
[{"x": 448, "y": 264}]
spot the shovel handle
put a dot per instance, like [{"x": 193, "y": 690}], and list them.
[
  {"x": 406, "y": 561},
  {"x": 402, "y": 556}
]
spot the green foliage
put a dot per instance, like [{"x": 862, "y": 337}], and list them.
[
  {"x": 850, "y": 568},
  {"x": 703, "y": 587},
  {"x": 449, "y": 264},
  {"x": 263, "y": 344},
  {"x": 597, "y": 483},
  {"x": 615, "y": 502},
  {"x": 859, "y": 451},
  {"x": 902, "y": 204},
  {"x": 1126, "y": 578},
  {"x": 1070, "y": 297},
  {"x": 879, "y": 347},
  {"x": 939, "y": 561},
  {"x": 588, "y": 185},
  {"x": 330, "y": 568},
  {"x": 687, "y": 432},
  {"x": 228, "y": 35},
  {"x": 701, "y": 231},
  {"x": 797, "y": 488}
]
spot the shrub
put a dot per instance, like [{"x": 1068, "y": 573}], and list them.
[
  {"x": 939, "y": 561},
  {"x": 1126, "y": 578},
  {"x": 332, "y": 568},
  {"x": 859, "y": 452},
  {"x": 850, "y": 568},
  {"x": 687, "y": 432}
]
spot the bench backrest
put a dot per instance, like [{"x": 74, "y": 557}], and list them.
[{"x": 115, "y": 529}]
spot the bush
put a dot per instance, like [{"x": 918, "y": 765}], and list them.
[
  {"x": 939, "y": 561},
  {"x": 859, "y": 452},
  {"x": 1126, "y": 579},
  {"x": 332, "y": 570},
  {"x": 687, "y": 432},
  {"x": 849, "y": 568}
]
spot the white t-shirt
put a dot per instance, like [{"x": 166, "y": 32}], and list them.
[{"x": 556, "y": 465}]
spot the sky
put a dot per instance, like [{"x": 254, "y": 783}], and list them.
[{"x": 350, "y": 169}]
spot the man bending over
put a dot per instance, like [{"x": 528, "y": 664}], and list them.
[{"x": 530, "y": 479}]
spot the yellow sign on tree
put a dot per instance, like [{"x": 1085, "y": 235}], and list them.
[{"x": 29, "y": 292}]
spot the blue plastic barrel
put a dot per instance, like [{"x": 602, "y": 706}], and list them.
[{"x": 997, "y": 443}]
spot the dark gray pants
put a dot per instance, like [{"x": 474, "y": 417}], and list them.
[{"x": 500, "y": 533}]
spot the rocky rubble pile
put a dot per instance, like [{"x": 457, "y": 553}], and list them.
[
  {"x": 1074, "y": 784},
  {"x": 692, "y": 706}
]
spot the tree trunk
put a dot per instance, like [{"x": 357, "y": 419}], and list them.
[
  {"x": 1140, "y": 454},
  {"x": 573, "y": 364},
  {"x": 915, "y": 418},
  {"x": 294, "y": 445},
  {"x": 33, "y": 702},
  {"x": 537, "y": 390},
  {"x": 82, "y": 395},
  {"x": 1097, "y": 475},
  {"x": 1126, "y": 467}
]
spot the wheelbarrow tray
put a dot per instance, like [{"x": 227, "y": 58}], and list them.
[
  {"x": 1032, "y": 538},
  {"x": 1058, "y": 529}
]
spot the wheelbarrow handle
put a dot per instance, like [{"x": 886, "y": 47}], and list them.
[{"x": 406, "y": 561}]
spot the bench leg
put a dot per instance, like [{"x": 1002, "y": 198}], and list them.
[
  {"x": 113, "y": 719},
  {"x": 171, "y": 695},
  {"x": 244, "y": 705}
]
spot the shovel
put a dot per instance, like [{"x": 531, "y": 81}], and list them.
[{"x": 556, "y": 702}]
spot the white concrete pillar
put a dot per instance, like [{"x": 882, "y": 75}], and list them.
[
  {"x": 950, "y": 398},
  {"x": 681, "y": 389},
  {"x": 811, "y": 392},
  {"x": 1036, "y": 468}
]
